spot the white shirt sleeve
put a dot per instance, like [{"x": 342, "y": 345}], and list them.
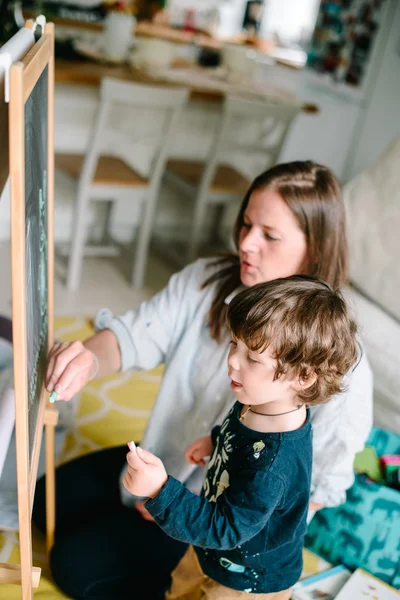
[
  {"x": 340, "y": 430},
  {"x": 144, "y": 335}
]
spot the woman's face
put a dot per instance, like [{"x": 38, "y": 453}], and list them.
[{"x": 271, "y": 243}]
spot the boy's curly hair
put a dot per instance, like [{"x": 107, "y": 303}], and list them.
[{"x": 308, "y": 326}]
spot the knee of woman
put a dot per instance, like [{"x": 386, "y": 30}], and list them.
[{"x": 69, "y": 570}]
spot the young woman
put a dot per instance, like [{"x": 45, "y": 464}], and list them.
[{"x": 291, "y": 222}]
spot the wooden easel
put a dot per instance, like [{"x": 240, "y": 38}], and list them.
[{"x": 23, "y": 76}]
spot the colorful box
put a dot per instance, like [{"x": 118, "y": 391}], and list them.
[{"x": 365, "y": 531}]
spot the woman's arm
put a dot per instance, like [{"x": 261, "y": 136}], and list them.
[
  {"x": 104, "y": 345},
  {"x": 140, "y": 339}
]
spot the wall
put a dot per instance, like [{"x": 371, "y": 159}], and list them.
[
  {"x": 379, "y": 119},
  {"x": 290, "y": 21},
  {"x": 326, "y": 136}
]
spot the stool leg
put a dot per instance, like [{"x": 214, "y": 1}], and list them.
[
  {"x": 143, "y": 240},
  {"x": 78, "y": 241},
  {"x": 215, "y": 229},
  {"x": 107, "y": 219},
  {"x": 198, "y": 221}
]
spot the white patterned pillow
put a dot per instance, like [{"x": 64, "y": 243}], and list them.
[
  {"x": 381, "y": 340},
  {"x": 373, "y": 214}
]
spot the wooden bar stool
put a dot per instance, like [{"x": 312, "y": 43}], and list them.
[
  {"x": 103, "y": 173},
  {"x": 216, "y": 182}
]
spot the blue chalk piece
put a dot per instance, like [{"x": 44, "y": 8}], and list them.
[{"x": 53, "y": 397}]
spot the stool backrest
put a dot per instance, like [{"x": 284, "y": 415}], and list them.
[
  {"x": 120, "y": 130},
  {"x": 249, "y": 129}
]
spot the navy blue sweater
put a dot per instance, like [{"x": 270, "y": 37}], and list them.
[{"x": 248, "y": 525}]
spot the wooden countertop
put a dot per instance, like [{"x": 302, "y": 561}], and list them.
[
  {"x": 164, "y": 32},
  {"x": 91, "y": 73}
]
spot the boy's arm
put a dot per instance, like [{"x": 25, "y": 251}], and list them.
[{"x": 237, "y": 515}]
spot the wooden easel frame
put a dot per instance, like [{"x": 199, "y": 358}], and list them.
[{"x": 23, "y": 77}]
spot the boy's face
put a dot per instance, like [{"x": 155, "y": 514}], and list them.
[{"x": 252, "y": 376}]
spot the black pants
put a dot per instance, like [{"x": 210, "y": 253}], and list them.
[{"x": 102, "y": 549}]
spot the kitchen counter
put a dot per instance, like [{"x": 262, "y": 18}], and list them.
[{"x": 91, "y": 73}]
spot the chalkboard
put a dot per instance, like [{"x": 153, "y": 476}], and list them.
[{"x": 36, "y": 244}]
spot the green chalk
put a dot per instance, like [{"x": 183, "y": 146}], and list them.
[{"x": 53, "y": 397}]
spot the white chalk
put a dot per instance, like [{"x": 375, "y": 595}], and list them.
[{"x": 132, "y": 446}]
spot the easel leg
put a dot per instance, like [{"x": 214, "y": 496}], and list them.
[{"x": 51, "y": 417}]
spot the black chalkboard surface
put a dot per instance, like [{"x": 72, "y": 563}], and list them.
[{"x": 36, "y": 244}]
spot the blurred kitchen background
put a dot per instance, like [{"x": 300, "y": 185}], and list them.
[{"x": 327, "y": 72}]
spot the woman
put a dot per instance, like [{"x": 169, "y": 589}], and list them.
[{"x": 291, "y": 221}]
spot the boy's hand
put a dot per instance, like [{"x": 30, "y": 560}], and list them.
[
  {"x": 146, "y": 474},
  {"x": 197, "y": 451}
]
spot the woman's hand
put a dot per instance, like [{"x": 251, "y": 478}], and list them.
[
  {"x": 199, "y": 450},
  {"x": 313, "y": 506},
  {"x": 70, "y": 366}
]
